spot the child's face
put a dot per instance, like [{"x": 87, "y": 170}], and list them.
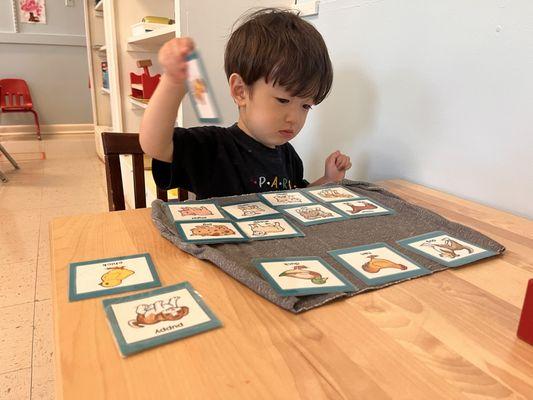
[{"x": 271, "y": 115}]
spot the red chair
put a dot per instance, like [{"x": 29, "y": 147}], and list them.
[{"x": 15, "y": 97}]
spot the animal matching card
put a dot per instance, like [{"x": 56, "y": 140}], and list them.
[
  {"x": 106, "y": 276},
  {"x": 200, "y": 93},
  {"x": 363, "y": 207},
  {"x": 445, "y": 249},
  {"x": 263, "y": 229},
  {"x": 249, "y": 210},
  {"x": 285, "y": 198},
  {"x": 153, "y": 318},
  {"x": 297, "y": 276},
  {"x": 312, "y": 214},
  {"x": 210, "y": 232},
  {"x": 333, "y": 193},
  {"x": 195, "y": 211},
  {"x": 378, "y": 263}
]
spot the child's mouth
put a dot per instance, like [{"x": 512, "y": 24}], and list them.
[{"x": 288, "y": 134}]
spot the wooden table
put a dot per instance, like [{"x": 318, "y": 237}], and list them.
[{"x": 445, "y": 336}]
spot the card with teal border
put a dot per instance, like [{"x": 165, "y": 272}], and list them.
[
  {"x": 329, "y": 194},
  {"x": 313, "y": 214},
  {"x": 200, "y": 90},
  {"x": 243, "y": 211},
  {"x": 202, "y": 232},
  {"x": 269, "y": 228},
  {"x": 445, "y": 249},
  {"x": 190, "y": 211},
  {"x": 361, "y": 208},
  {"x": 286, "y": 198},
  {"x": 105, "y": 276},
  {"x": 149, "y": 319},
  {"x": 377, "y": 264},
  {"x": 300, "y": 276}
]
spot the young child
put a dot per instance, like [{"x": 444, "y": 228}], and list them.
[{"x": 278, "y": 67}]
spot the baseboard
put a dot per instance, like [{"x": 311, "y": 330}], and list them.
[{"x": 57, "y": 129}]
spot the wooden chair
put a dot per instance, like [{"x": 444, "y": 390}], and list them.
[{"x": 116, "y": 144}]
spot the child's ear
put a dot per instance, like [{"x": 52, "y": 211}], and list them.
[{"x": 237, "y": 89}]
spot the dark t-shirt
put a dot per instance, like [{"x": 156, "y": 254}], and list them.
[{"x": 213, "y": 161}]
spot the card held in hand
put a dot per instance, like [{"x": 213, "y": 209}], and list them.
[{"x": 200, "y": 92}]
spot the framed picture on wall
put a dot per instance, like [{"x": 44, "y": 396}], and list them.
[{"x": 32, "y": 11}]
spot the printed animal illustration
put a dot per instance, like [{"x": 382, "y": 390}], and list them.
[
  {"x": 199, "y": 90},
  {"x": 449, "y": 248},
  {"x": 262, "y": 228},
  {"x": 333, "y": 194},
  {"x": 250, "y": 210},
  {"x": 211, "y": 230},
  {"x": 301, "y": 272},
  {"x": 355, "y": 209},
  {"x": 286, "y": 198},
  {"x": 159, "y": 311},
  {"x": 377, "y": 264},
  {"x": 115, "y": 276},
  {"x": 187, "y": 211},
  {"x": 313, "y": 213}
]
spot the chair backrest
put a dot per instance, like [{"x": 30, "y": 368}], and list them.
[
  {"x": 15, "y": 93},
  {"x": 114, "y": 145}
]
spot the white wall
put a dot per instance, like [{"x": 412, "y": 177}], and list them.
[{"x": 435, "y": 92}]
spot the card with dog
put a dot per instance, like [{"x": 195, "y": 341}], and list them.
[
  {"x": 210, "y": 232},
  {"x": 195, "y": 211},
  {"x": 200, "y": 91},
  {"x": 297, "y": 276},
  {"x": 313, "y": 214},
  {"x": 333, "y": 193},
  {"x": 363, "y": 207},
  {"x": 106, "y": 276},
  {"x": 286, "y": 198},
  {"x": 249, "y": 210},
  {"x": 445, "y": 249},
  {"x": 145, "y": 320},
  {"x": 263, "y": 229},
  {"x": 378, "y": 263}
]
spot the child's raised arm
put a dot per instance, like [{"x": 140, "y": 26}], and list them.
[{"x": 159, "y": 117}]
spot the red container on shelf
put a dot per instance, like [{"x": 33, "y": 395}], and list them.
[{"x": 525, "y": 326}]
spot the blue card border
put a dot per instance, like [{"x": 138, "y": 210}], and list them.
[
  {"x": 456, "y": 263},
  {"x": 73, "y": 295},
  {"x": 210, "y": 241},
  {"x": 321, "y": 200},
  {"x": 127, "y": 349},
  {"x": 320, "y": 221},
  {"x": 278, "y": 206},
  {"x": 266, "y": 216},
  {"x": 347, "y": 287},
  {"x": 197, "y": 202},
  {"x": 195, "y": 55},
  {"x": 389, "y": 211},
  {"x": 385, "y": 279},
  {"x": 299, "y": 233}
]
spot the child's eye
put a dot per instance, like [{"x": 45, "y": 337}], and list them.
[
  {"x": 282, "y": 101},
  {"x": 308, "y": 107}
]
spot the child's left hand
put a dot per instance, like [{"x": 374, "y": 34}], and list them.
[{"x": 336, "y": 166}]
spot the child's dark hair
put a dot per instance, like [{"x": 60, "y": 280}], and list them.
[{"x": 282, "y": 48}]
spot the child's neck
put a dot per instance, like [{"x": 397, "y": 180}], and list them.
[{"x": 242, "y": 125}]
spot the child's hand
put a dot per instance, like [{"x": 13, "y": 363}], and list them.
[
  {"x": 336, "y": 166},
  {"x": 172, "y": 57}
]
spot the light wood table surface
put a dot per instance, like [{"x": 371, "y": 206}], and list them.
[{"x": 450, "y": 335}]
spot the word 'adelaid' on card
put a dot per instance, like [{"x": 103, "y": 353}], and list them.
[
  {"x": 378, "y": 263},
  {"x": 249, "y": 210},
  {"x": 200, "y": 92},
  {"x": 363, "y": 207},
  {"x": 313, "y": 214},
  {"x": 150, "y": 319},
  {"x": 298, "y": 276},
  {"x": 333, "y": 193},
  {"x": 195, "y": 211},
  {"x": 263, "y": 229},
  {"x": 210, "y": 232},
  {"x": 106, "y": 276},
  {"x": 286, "y": 198},
  {"x": 445, "y": 249}
]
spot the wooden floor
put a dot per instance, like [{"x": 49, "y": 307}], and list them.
[{"x": 58, "y": 176}]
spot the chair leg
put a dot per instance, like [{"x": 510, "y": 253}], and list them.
[
  {"x": 3, "y": 178},
  {"x": 8, "y": 156},
  {"x": 36, "y": 117}
]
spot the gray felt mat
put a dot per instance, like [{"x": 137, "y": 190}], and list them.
[{"x": 409, "y": 220}]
